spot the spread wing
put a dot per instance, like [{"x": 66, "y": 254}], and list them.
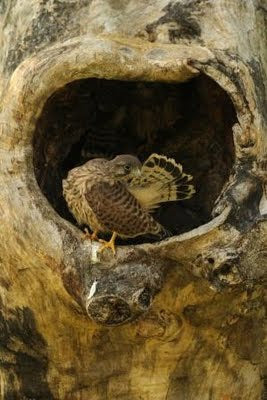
[
  {"x": 161, "y": 180},
  {"x": 119, "y": 211}
]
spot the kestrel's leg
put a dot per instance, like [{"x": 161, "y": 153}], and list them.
[
  {"x": 108, "y": 245},
  {"x": 90, "y": 236}
]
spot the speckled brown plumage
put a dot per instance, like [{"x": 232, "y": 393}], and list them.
[
  {"x": 118, "y": 195},
  {"x": 96, "y": 198}
]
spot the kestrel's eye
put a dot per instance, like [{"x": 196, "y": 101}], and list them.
[{"x": 127, "y": 168}]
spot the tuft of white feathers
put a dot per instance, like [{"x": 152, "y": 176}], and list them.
[{"x": 92, "y": 290}]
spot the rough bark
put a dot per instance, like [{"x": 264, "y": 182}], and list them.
[{"x": 177, "y": 319}]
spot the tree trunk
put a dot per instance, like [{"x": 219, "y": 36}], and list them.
[{"x": 176, "y": 319}]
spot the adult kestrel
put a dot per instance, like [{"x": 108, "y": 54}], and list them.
[{"x": 118, "y": 196}]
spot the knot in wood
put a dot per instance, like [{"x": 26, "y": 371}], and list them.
[
  {"x": 109, "y": 310},
  {"x": 124, "y": 292}
]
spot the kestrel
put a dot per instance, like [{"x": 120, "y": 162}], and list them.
[{"x": 118, "y": 196}]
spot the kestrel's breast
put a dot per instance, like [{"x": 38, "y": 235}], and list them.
[{"x": 74, "y": 188}]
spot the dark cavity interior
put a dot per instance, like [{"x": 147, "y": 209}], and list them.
[{"x": 191, "y": 122}]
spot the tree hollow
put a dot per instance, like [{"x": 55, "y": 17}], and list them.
[{"x": 189, "y": 121}]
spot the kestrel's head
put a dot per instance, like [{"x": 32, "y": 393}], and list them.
[{"x": 125, "y": 167}]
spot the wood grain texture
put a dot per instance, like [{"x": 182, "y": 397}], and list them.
[{"x": 195, "y": 301}]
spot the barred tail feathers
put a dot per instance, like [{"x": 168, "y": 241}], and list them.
[{"x": 162, "y": 180}]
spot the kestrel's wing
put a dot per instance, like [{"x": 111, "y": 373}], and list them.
[
  {"x": 119, "y": 211},
  {"x": 161, "y": 180}
]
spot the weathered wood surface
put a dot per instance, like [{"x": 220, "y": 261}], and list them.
[{"x": 202, "y": 336}]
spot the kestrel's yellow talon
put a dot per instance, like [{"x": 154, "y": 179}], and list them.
[
  {"x": 108, "y": 245},
  {"x": 90, "y": 236}
]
